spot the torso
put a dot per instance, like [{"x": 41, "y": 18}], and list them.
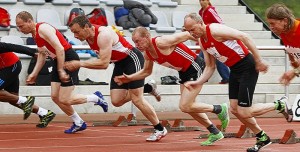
[
  {"x": 8, "y": 59},
  {"x": 120, "y": 49},
  {"x": 291, "y": 41},
  {"x": 209, "y": 15},
  {"x": 228, "y": 52},
  {"x": 40, "y": 42},
  {"x": 179, "y": 59}
]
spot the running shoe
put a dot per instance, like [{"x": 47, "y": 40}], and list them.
[
  {"x": 74, "y": 128},
  {"x": 157, "y": 135},
  {"x": 262, "y": 142},
  {"x": 282, "y": 107},
  {"x": 212, "y": 138},
  {"x": 27, "y": 106},
  {"x": 46, "y": 119},
  {"x": 224, "y": 116},
  {"x": 101, "y": 101},
  {"x": 154, "y": 91}
]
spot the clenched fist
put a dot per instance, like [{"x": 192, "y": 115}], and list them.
[{"x": 63, "y": 76}]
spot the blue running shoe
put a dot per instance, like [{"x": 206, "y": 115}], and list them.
[
  {"x": 74, "y": 128},
  {"x": 101, "y": 102}
]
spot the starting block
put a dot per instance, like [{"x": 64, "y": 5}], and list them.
[
  {"x": 289, "y": 137},
  {"x": 178, "y": 126},
  {"x": 122, "y": 121},
  {"x": 243, "y": 132}
]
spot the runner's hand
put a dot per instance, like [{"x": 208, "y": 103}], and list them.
[
  {"x": 121, "y": 79},
  {"x": 63, "y": 76}
]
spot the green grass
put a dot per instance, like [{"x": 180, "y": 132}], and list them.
[{"x": 260, "y": 6}]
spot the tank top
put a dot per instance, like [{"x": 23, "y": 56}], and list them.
[
  {"x": 120, "y": 50},
  {"x": 228, "y": 52},
  {"x": 8, "y": 59},
  {"x": 180, "y": 59},
  {"x": 291, "y": 40},
  {"x": 40, "y": 42}
]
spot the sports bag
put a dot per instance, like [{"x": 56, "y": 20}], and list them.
[
  {"x": 98, "y": 17},
  {"x": 75, "y": 12},
  {"x": 4, "y": 18}
]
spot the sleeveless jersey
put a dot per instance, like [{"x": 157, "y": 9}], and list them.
[
  {"x": 40, "y": 42},
  {"x": 291, "y": 40},
  {"x": 180, "y": 59},
  {"x": 120, "y": 50},
  {"x": 228, "y": 52},
  {"x": 8, "y": 59}
]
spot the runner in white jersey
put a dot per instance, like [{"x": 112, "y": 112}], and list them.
[{"x": 238, "y": 51}]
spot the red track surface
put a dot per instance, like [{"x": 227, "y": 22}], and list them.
[{"x": 26, "y": 138}]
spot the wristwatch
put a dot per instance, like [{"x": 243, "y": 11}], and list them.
[{"x": 297, "y": 72}]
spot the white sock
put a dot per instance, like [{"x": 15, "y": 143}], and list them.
[
  {"x": 76, "y": 119},
  {"x": 92, "y": 98},
  {"x": 42, "y": 111},
  {"x": 21, "y": 100}
]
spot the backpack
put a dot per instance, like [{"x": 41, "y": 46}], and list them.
[
  {"x": 44, "y": 76},
  {"x": 75, "y": 12},
  {"x": 98, "y": 17},
  {"x": 4, "y": 18}
]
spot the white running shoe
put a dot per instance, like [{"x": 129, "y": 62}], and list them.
[
  {"x": 154, "y": 91},
  {"x": 157, "y": 135},
  {"x": 287, "y": 113}
]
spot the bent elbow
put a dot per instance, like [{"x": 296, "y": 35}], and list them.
[{"x": 105, "y": 66}]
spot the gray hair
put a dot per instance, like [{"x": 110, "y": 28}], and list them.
[{"x": 194, "y": 16}]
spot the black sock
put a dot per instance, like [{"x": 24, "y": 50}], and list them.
[
  {"x": 159, "y": 127},
  {"x": 279, "y": 105},
  {"x": 217, "y": 109},
  {"x": 213, "y": 129},
  {"x": 147, "y": 88},
  {"x": 260, "y": 134}
]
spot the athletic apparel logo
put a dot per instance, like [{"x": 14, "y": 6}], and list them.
[{"x": 1, "y": 82}]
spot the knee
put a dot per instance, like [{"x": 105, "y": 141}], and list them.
[
  {"x": 233, "y": 111},
  {"x": 55, "y": 99},
  {"x": 185, "y": 108},
  {"x": 117, "y": 103},
  {"x": 243, "y": 113}
]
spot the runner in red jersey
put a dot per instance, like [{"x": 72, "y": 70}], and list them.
[
  {"x": 50, "y": 41},
  {"x": 169, "y": 51},
  {"x": 210, "y": 15},
  {"x": 238, "y": 51},
  {"x": 112, "y": 47},
  {"x": 10, "y": 68},
  {"x": 283, "y": 23}
]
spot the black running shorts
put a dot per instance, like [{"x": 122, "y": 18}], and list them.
[
  {"x": 133, "y": 63},
  {"x": 9, "y": 78},
  {"x": 242, "y": 81},
  {"x": 193, "y": 72},
  {"x": 70, "y": 55}
]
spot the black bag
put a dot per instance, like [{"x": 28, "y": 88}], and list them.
[
  {"x": 167, "y": 80},
  {"x": 44, "y": 77}
]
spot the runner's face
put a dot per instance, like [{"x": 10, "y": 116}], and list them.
[
  {"x": 140, "y": 42},
  {"x": 204, "y": 3},
  {"x": 24, "y": 27},
  {"x": 193, "y": 28},
  {"x": 277, "y": 26},
  {"x": 78, "y": 31}
]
